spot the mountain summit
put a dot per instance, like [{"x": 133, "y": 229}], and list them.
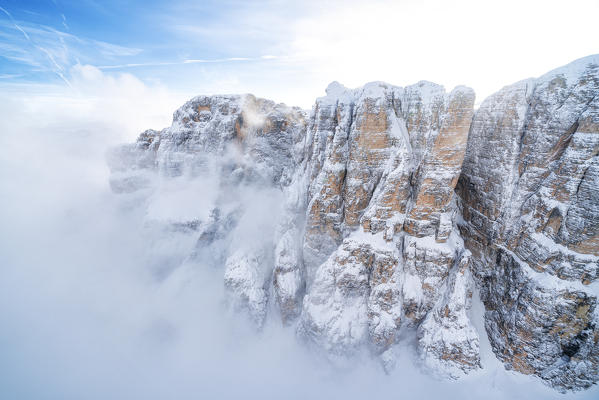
[{"x": 388, "y": 207}]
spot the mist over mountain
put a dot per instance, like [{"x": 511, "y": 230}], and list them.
[
  {"x": 233, "y": 199},
  {"x": 390, "y": 240}
]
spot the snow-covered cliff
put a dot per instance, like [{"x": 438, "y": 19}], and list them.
[
  {"x": 530, "y": 195},
  {"x": 344, "y": 223}
]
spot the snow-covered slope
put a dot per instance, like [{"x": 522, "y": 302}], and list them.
[{"x": 343, "y": 222}]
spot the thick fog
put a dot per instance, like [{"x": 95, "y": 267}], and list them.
[{"x": 98, "y": 303}]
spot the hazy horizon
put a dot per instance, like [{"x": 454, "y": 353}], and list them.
[
  {"x": 289, "y": 51},
  {"x": 97, "y": 299}
]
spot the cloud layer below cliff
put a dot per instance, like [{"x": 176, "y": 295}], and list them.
[{"x": 88, "y": 312}]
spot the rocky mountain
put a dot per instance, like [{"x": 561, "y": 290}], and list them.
[
  {"x": 379, "y": 213},
  {"x": 529, "y": 191}
]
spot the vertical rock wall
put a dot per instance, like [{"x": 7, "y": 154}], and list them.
[
  {"x": 367, "y": 235},
  {"x": 530, "y": 195}
]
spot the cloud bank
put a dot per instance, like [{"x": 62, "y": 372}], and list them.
[{"x": 96, "y": 303}]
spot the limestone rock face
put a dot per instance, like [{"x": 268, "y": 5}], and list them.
[
  {"x": 255, "y": 139},
  {"x": 241, "y": 152},
  {"x": 448, "y": 343},
  {"x": 530, "y": 195},
  {"x": 379, "y": 240},
  {"x": 380, "y": 213}
]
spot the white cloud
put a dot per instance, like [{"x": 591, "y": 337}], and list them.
[
  {"x": 84, "y": 314},
  {"x": 290, "y": 51},
  {"x": 483, "y": 44},
  {"x": 47, "y": 49}
]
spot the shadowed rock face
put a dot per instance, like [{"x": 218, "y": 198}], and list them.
[
  {"x": 372, "y": 240},
  {"x": 255, "y": 139},
  {"x": 246, "y": 145},
  {"x": 530, "y": 193}
]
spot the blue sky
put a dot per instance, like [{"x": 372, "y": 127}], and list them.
[
  {"x": 80, "y": 76},
  {"x": 41, "y": 40},
  {"x": 290, "y": 50}
]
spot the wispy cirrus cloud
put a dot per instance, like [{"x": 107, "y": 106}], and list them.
[
  {"x": 18, "y": 53},
  {"x": 9, "y": 76},
  {"x": 37, "y": 48},
  {"x": 14, "y": 23},
  {"x": 64, "y": 22},
  {"x": 197, "y": 50},
  {"x": 290, "y": 51},
  {"x": 188, "y": 61}
]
